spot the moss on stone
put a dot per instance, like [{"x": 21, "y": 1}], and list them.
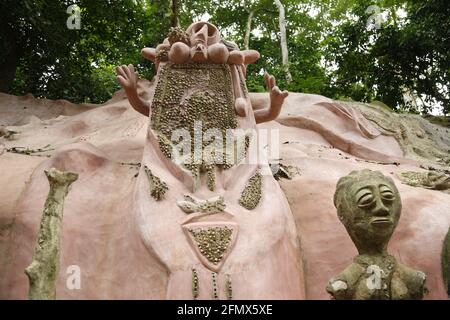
[
  {"x": 43, "y": 270},
  {"x": 428, "y": 179}
]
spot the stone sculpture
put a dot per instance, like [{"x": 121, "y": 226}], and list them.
[
  {"x": 446, "y": 262},
  {"x": 426, "y": 179},
  {"x": 43, "y": 270},
  {"x": 369, "y": 206},
  {"x": 219, "y": 226}
]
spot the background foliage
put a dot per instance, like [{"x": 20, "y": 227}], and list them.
[{"x": 331, "y": 50}]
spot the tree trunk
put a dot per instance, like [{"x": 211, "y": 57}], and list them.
[
  {"x": 9, "y": 65},
  {"x": 175, "y": 22},
  {"x": 248, "y": 30},
  {"x": 284, "y": 47}
]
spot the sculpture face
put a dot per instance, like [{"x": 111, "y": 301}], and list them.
[
  {"x": 201, "y": 36},
  {"x": 369, "y": 206}
]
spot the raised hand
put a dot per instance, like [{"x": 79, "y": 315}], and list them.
[
  {"x": 276, "y": 95},
  {"x": 127, "y": 77},
  {"x": 276, "y": 101}
]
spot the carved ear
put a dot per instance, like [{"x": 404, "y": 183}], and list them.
[{"x": 149, "y": 54}]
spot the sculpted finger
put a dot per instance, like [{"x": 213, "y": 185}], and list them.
[
  {"x": 272, "y": 81},
  {"x": 134, "y": 74},
  {"x": 122, "y": 81},
  {"x": 276, "y": 90},
  {"x": 285, "y": 93},
  {"x": 266, "y": 79},
  {"x": 127, "y": 72},
  {"x": 120, "y": 72},
  {"x": 124, "y": 72}
]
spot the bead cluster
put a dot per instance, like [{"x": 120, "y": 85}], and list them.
[
  {"x": 215, "y": 292},
  {"x": 214, "y": 286},
  {"x": 212, "y": 242},
  {"x": 177, "y": 34},
  {"x": 195, "y": 285},
  {"x": 228, "y": 288},
  {"x": 251, "y": 195},
  {"x": 158, "y": 188}
]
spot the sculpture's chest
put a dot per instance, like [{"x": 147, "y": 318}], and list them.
[
  {"x": 381, "y": 284},
  {"x": 193, "y": 95}
]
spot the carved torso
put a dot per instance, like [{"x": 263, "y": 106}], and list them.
[{"x": 377, "y": 278}]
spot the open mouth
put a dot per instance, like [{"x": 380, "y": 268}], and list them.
[{"x": 381, "y": 222}]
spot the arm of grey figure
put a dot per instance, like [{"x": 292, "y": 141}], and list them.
[
  {"x": 276, "y": 101},
  {"x": 127, "y": 77}
]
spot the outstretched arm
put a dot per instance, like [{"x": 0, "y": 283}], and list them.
[
  {"x": 276, "y": 101},
  {"x": 128, "y": 78}
]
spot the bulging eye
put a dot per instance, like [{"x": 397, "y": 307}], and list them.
[
  {"x": 387, "y": 193},
  {"x": 365, "y": 200}
]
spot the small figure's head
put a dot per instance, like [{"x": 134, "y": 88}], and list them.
[
  {"x": 369, "y": 205},
  {"x": 201, "y": 36}
]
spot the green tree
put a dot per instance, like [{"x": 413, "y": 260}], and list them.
[
  {"x": 405, "y": 56},
  {"x": 42, "y": 56}
]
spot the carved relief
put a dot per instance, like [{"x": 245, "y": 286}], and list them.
[
  {"x": 251, "y": 195},
  {"x": 211, "y": 241},
  {"x": 158, "y": 188}
]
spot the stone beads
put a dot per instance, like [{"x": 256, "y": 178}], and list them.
[
  {"x": 212, "y": 242},
  {"x": 158, "y": 188},
  {"x": 251, "y": 195}
]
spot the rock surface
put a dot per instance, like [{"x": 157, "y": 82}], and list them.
[{"x": 321, "y": 140}]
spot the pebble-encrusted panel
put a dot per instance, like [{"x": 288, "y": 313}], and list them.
[
  {"x": 177, "y": 34},
  {"x": 251, "y": 195},
  {"x": 193, "y": 92},
  {"x": 158, "y": 188},
  {"x": 212, "y": 242},
  {"x": 189, "y": 94}
]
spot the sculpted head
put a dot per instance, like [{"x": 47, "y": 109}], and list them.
[
  {"x": 200, "y": 42},
  {"x": 369, "y": 205}
]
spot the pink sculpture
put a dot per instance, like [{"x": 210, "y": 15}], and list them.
[
  {"x": 222, "y": 229},
  {"x": 126, "y": 244}
]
